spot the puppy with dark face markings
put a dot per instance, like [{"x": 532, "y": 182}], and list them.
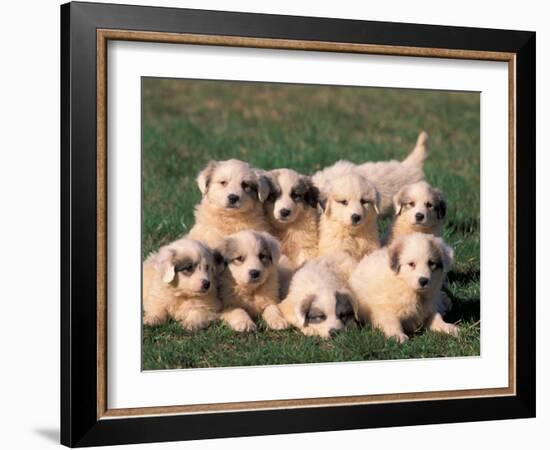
[
  {"x": 397, "y": 287},
  {"x": 180, "y": 281},
  {"x": 418, "y": 208},
  {"x": 349, "y": 219},
  {"x": 249, "y": 287},
  {"x": 233, "y": 196},
  {"x": 387, "y": 176},
  {"x": 291, "y": 210},
  {"x": 319, "y": 302}
]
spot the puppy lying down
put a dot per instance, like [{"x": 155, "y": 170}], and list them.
[
  {"x": 387, "y": 176},
  {"x": 319, "y": 302},
  {"x": 180, "y": 282},
  {"x": 397, "y": 287},
  {"x": 232, "y": 200},
  {"x": 249, "y": 287}
]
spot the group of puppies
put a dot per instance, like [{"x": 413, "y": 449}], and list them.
[{"x": 306, "y": 251}]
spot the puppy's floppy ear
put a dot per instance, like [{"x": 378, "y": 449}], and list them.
[
  {"x": 398, "y": 200},
  {"x": 394, "y": 252},
  {"x": 311, "y": 197},
  {"x": 265, "y": 187},
  {"x": 203, "y": 178},
  {"x": 447, "y": 253},
  {"x": 440, "y": 204},
  {"x": 164, "y": 264},
  {"x": 219, "y": 261},
  {"x": 273, "y": 245},
  {"x": 342, "y": 298},
  {"x": 302, "y": 309}
]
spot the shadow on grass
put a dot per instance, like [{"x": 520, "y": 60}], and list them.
[{"x": 463, "y": 277}]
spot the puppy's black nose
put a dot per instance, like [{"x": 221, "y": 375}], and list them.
[
  {"x": 254, "y": 274},
  {"x": 355, "y": 218},
  {"x": 232, "y": 198},
  {"x": 419, "y": 216},
  {"x": 284, "y": 212},
  {"x": 205, "y": 284},
  {"x": 423, "y": 281}
]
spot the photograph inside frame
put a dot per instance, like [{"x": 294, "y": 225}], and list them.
[{"x": 292, "y": 223}]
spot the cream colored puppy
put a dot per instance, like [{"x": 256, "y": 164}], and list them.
[
  {"x": 349, "y": 219},
  {"x": 418, "y": 208},
  {"x": 291, "y": 210},
  {"x": 319, "y": 302},
  {"x": 249, "y": 287},
  {"x": 387, "y": 176},
  {"x": 179, "y": 281},
  {"x": 233, "y": 196},
  {"x": 397, "y": 287}
]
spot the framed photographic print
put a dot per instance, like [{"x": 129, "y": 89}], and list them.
[{"x": 276, "y": 224}]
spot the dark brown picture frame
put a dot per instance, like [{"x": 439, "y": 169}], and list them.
[{"x": 86, "y": 418}]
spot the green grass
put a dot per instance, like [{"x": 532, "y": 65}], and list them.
[{"x": 187, "y": 123}]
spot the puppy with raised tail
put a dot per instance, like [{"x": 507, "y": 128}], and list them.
[
  {"x": 419, "y": 208},
  {"x": 319, "y": 302},
  {"x": 387, "y": 176},
  {"x": 349, "y": 219},
  {"x": 397, "y": 287},
  {"x": 291, "y": 210},
  {"x": 233, "y": 195},
  {"x": 249, "y": 286},
  {"x": 179, "y": 281}
]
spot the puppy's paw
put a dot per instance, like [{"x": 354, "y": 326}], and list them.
[
  {"x": 151, "y": 320},
  {"x": 448, "y": 328},
  {"x": 309, "y": 331},
  {"x": 239, "y": 320},
  {"x": 194, "y": 321},
  {"x": 399, "y": 337},
  {"x": 274, "y": 319},
  {"x": 243, "y": 325}
]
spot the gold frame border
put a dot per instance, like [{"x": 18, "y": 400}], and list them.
[{"x": 104, "y": 35}]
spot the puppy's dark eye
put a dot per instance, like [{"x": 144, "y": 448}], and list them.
[
  {"x": 223, "y": 183},
  {"x": 238, "y": 260},
  {"x": 246, "y": 187},
  {"x": 343, "y": 202},
  {"x": 184, "y": 268},
  {"x": 364, "y": 201},
  {"x": 429, "y": 205},
  {"x": 411, "y": 204},
  {"x": 296, "y": 197},
  {"x": 264, "y": 258},
  {"x": 433, "y": 265},
  {"x": 316, "y": 318},
  {"x": 412, "y": 265}
]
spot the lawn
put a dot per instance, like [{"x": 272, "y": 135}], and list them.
[{"x": 187, "y": 123}]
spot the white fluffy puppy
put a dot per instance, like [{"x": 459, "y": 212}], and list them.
[
  {"x": 387, "y": 176},
  {"x": 291, "y": 210},
  {"x": 349, "y": 219},
  {"x": 319, "y": 302},
  {"x": 397, "y": 287},
  {"x": 249, "y": 286},
  {"x": 179, "y": 281},
  {"x": 233, "y": 196},
  {"x": 418, "y": 208}
]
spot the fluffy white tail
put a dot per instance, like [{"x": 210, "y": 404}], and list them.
[{"x": 420, "y": 151}]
